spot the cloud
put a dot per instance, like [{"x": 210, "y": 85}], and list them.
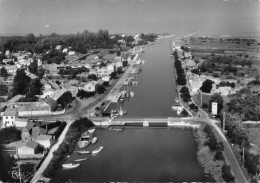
[{"x": 47, "y": 25}]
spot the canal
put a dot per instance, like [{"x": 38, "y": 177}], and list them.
[
  {"x": 156, "y": 92},
  {"x": 143, "y": 154}
]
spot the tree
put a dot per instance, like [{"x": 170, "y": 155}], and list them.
[
  {"x": 184, "y": 89},
  {"x": 100, "y": 89},
  {"x": 3, "y": 89},
  {"x": 251, "y": 162},
  {"x": 21, "y": 83},
  {"x": 186, "y": 97},
  {"x": 181, "y": 79},
  {"x": 4, "y": 72},
  {"x": 65, "y": 99},
  {"x": 113, "y": 75},
  {"x": 206, "y": 86},
  {"x": 33, "y": 67},
  {"x": 226, "y": 173}
]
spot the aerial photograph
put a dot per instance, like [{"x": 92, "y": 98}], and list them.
[{"x": 129, "y": 91}]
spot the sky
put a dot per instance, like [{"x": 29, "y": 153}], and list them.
[{"x": 130, "y": 16}]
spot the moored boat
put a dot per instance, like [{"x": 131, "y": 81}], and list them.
[
  {"x": 83, "y": 159},
  {"x": 70, "y": 165},
  {"x": 180, "y": 109},
  {"x": 175, "y": 107},
  {"x": 84, "y": 140},
  {"x": 94, "y": 140},
  {"x": 91, "y": 130},
  {"x": 132, "y": 94},
  {"x": 97, "y": 150},
  {"x": 83, "y": 152}
]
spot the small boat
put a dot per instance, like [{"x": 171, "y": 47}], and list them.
[
  {"x": 83, "y": 152},
  {"x": 176, "y": 100},
  {"x": 83, "y": 159},
  {"x": 97, "y": 150},
  {"x": 91, "y": 130},
  {"x": 175, "y": 107},
  {"x": 84, "y": 139},
  {"x": 70, "y": 165},
  {"x": 180, "y": 109},
  {"x": 132, "y": 94},
  {"x": 94, "y": 140}
]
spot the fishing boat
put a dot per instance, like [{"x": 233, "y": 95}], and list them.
[
  {"x": 94, "y": 140},
  {"x": 70, "y": 165},
  {"x": 83, "y": 152},
  {"x": 132, "y": 94},
  {"x": 97, "y": 150},
  {"x": 84, "y": 139},
  {"x": 83, "y": 159}
]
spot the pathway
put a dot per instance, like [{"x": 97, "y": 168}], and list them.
[{"x": 48, "y": 158}]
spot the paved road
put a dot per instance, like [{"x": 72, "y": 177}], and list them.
[
  {"x": 48, "y": 158},
  {"x": 228, "y": 153}
]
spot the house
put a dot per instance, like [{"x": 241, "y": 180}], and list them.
[
  {"x": 11, "y": 69},
  {"x": 21, "y": 122},
  {"x": 111, "y": 68},
  {"x": 45, "y": 140},
  {"x": 48, "y": 101},
  {"x": 58, "y": 47},
  {"x": 119, "y": 64},
  {"x": 8, "y": 118},
  {"x": 93, "y": 72},
  {"x": 190, "y": 64},
  {"x": 15, "y": 98},
  {"x": 90, "y": 86},
  {"x": 26, "y": 131},
  {"x": 195, "y": 83},
  {"x": 118, "y": 58},
  {"x": 223, "y": 90},
  {"x": 28, "y": 148},
  {"x": 71, "y": 53},
  {"x": 65, "y": 50},
  {"x": 58, "y": 93},
  {"x": 106, "y": 78},
  {"x": 37, "y": 131},
  {"x": 103, "y": 72},
  {"x": 72, "y": 89},
  {"x": 33, "y": 110}
]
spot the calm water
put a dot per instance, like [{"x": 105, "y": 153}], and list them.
[
  {"x": 142, "y": 154},
  {"x": 155, "y": 94}
]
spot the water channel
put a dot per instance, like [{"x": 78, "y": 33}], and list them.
[{"x": 143, "y": 154}]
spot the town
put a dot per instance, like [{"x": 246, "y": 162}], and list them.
[{"x": 129, "y": 91}]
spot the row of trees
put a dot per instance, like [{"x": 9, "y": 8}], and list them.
[
  {"x": 25, "y": 86},
  {"x": 181, "y": 77}
]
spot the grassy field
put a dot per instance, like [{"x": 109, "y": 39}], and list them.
[{"x": 254, "y": 138}]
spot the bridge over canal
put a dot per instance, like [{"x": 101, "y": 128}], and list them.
[{"x": 147, "y": 122}]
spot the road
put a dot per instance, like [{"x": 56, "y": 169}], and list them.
[
  {"x": 228, "y": 153},
  {"x": 48, "y": 158}
]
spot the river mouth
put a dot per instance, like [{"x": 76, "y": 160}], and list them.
[{"x": 136, "y": 155}]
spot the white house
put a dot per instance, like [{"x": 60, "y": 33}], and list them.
[
  {"x": 119, "y": 64},
  {"x": 111, "y": 68},
  {"x": 106, "y": 78},
  {"x": 71, "y": 53},
  {"x": 28, "y": 148},
  {"x": 8, "y": 118},
  {"x": 45, "y": 140},
  {"x": 90, "y": 86}
]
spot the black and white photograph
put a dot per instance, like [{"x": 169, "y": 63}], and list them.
[{"x": 129, "y": 91}]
